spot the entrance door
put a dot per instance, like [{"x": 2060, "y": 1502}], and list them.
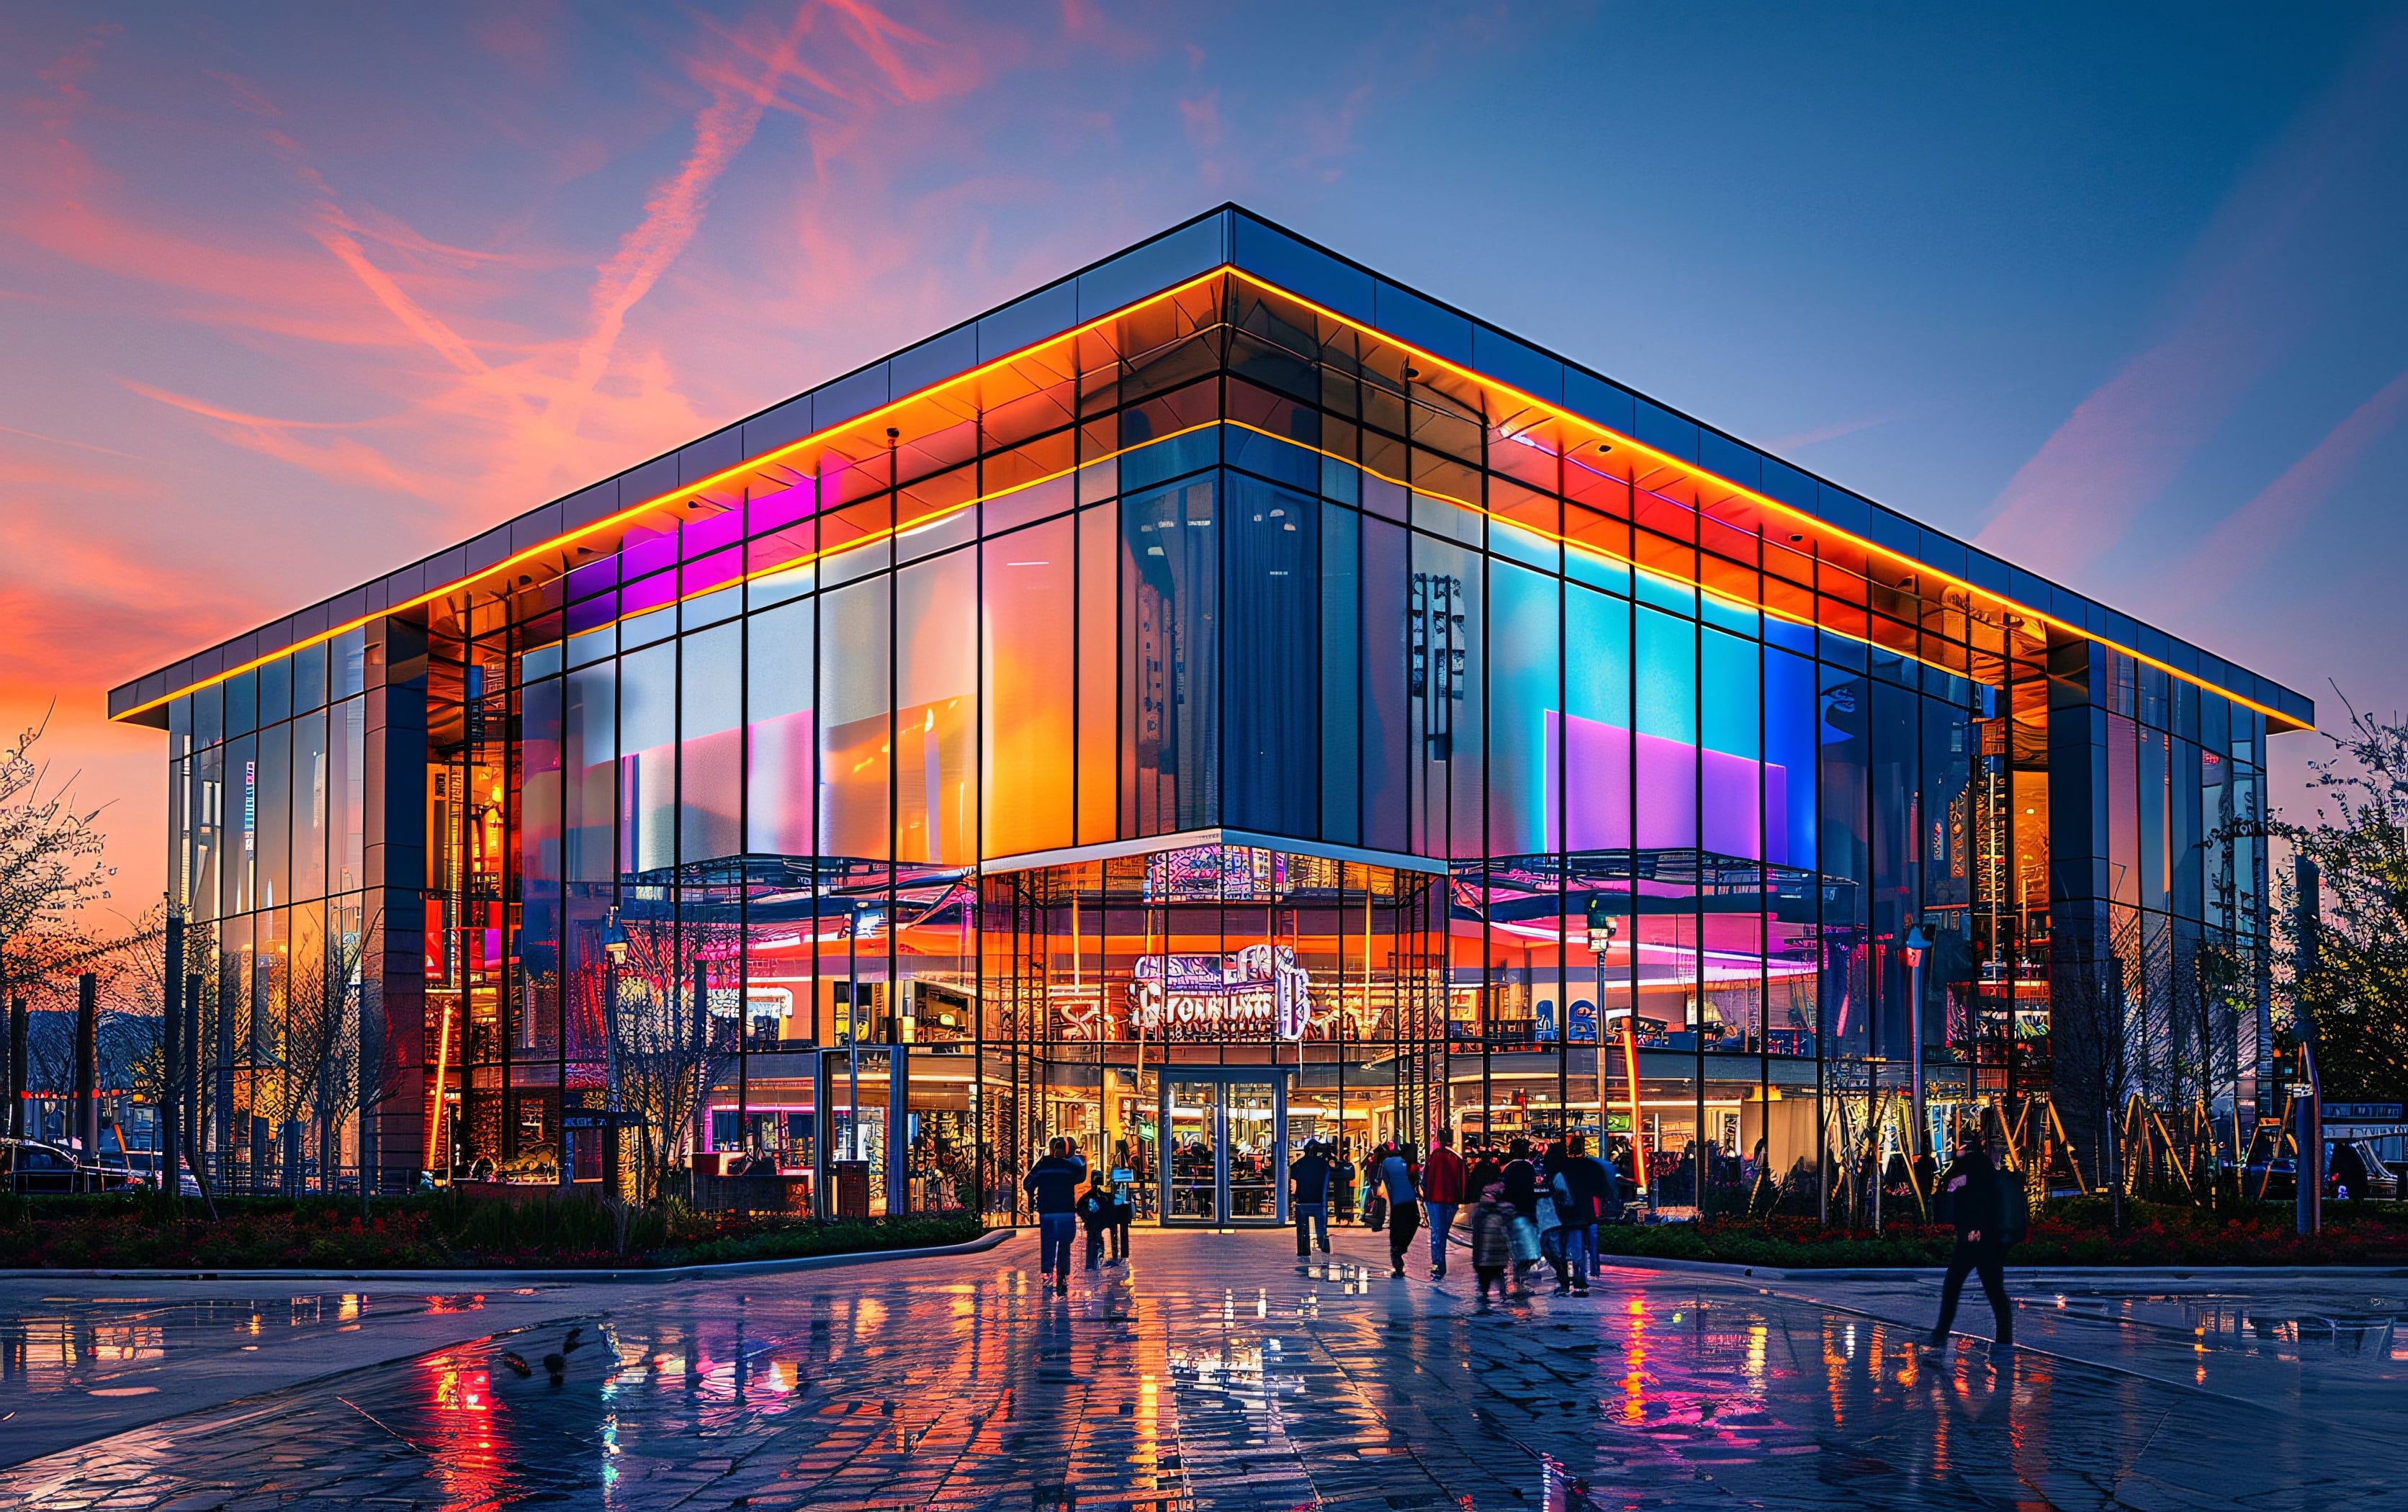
[{"x": 1227, "y": 1142}]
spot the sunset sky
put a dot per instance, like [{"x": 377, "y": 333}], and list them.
[{"x": 294, "y": 294}]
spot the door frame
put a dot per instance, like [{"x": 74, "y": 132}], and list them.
[{"x": 1223, "y": 1077}]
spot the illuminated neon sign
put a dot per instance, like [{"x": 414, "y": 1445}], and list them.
[{"x": 1258, "y": 990}]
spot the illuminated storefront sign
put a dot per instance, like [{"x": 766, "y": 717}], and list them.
[{"x": 1257, "y": 988}]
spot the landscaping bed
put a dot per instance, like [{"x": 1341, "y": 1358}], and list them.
[
  {"x": 2065, "y": 1233},
  {"x": 432, "y": 1230}
]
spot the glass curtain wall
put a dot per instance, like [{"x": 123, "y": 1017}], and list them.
[{"x": 1639, "y": 796}]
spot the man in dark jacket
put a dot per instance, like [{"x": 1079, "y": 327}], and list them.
[
  {"x": 1054, "y": 1183},
  {"x": 1978, "y": 1197},
  {"x": 1308, "y": 1198},
  {"x": 1586, "y": 1188}
]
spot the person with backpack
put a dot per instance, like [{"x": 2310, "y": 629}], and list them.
[
  {"x": 1341, "y": 1185},
  {"x": 1054, "y": 1183},
  {"x": 1988, "y": 1209},
  {"x": 1308, "y": 1198},
  {"x": 1094, "y": 1212},
  {"x": 1399, "y": 1180},
  {"x": 1583, "y": 1188}
]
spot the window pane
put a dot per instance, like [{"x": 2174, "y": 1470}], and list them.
[
  {"x": 1730, "y": 822},
  {"x": 936, "y": 707},
  {"x": 1596, "y": 740},
  {"x": 854, "y": 734},
  {"x": 1341, "y": 758},
  {"x": 1523, "y": 697},
  {"x": 311, "y": 791},
  {"x": 648, "y": 760},
  {"x": 1170, "y": 698},
  {"x": 1025, "y": 759},
  {"x": 710, "y": 744},
  {"x": 781, "y": 743},
  {"x": 347, "y": 728},
  {"x": 1270, "y": 690},
  {"x": 1099, "y": 558},
  {"x": 1667, "y": 731}
]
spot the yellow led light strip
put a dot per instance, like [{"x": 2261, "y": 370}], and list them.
[
  {"x": 1618, "y": 439},
  {"x": 1786, "y": 512},
  {"x": 725, "y": 476}
]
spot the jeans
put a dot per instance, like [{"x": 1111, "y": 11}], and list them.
[
  {"x": 1054, "y": 1232},
  {"x": 1096, "y": 1247},
  {"x": 1983, "y": 1258},
  {"x": 1580, "y": 1252},
  {"x": 1316, "y": 1217},
  {"x": 1403, "y": 1218},
  {"x": 1441, "y": 1222}
]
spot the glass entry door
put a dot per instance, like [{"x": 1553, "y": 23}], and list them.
[
  {"x": 1192, "y": 1115},
  {"x": 1226, "y": 1139}
]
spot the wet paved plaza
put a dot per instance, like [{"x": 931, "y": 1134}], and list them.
[{"x": 1212, "y": 1373}]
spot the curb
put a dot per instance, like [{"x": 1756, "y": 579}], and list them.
[
  {"x": 725, "y": 1269},
  {"x": 2138, "y": 1275}
]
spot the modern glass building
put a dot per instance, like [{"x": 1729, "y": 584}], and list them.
[{"x": 1220, "y": 699}]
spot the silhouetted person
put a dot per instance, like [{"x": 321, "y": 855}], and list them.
[{"x": 1977, "y": 1201}]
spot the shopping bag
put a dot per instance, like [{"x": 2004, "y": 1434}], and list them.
[
  {"x": 1523, "y": 1235},
  {"x": 1375, "y": 1210}
]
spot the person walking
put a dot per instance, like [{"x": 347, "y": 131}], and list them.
[
  {"x": 1308, "y": 1198},
  {"x": 1400, "y": 1181},
  {"x": 1492, "y": 1244},
  {"x": 1095, "y": 1211},
  {"x": 1054, "y": 1184},
  {"x": 1581, "y": 1191},
  {"x": 1123, "y": 1204},
  {"x": 1341, "y": 1184},
  {"x": 1986, "y": 1207},
  {"x": 1519, "y": 1179},
  {"x": 1442, "y": 1191}
]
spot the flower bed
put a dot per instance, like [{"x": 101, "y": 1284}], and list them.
[
  {"x": 2073, "y": 1232},
  {"x": 438, "y": 1230}
]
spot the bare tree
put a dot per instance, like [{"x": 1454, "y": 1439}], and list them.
[
  {"x": 2099, "y": 1042},
  {"x": 665, "y": 1051},
  {"x": 50, "y": 864}
]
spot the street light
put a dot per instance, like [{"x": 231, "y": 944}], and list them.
[{"x": 1917, "y": 947}]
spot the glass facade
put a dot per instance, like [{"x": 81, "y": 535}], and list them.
[{"x": 1224, "y": 722}]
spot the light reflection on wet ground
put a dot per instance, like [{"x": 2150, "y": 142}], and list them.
[{"x": 1215, "y": 1374}]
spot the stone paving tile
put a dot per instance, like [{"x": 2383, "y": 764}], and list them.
[{"x": 1212, "y": 1375}]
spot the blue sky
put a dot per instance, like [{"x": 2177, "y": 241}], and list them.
[{"x": 299, "y": 291}]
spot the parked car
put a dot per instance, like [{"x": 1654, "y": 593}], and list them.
[
  {"x": 2352, "y": 1165},
  {"x": 38, "y": 1165},
  {"x": 142, "y": 1167}
]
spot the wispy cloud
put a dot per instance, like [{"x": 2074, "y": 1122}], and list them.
[
  {"x": 2238, "y": 307},
  {"x": 2246, "y": 540}
]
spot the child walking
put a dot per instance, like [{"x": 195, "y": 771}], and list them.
[
  {"x": 1095, "y": 1211},
  {"x": 1492, "y": 1242}
]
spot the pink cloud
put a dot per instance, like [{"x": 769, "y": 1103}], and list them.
[{"x": 2246, "y": 540}]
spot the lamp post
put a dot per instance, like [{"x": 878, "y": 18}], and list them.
[
  {"x": 1917, "y": 948},
  {"x": 1600, "y": 941}
]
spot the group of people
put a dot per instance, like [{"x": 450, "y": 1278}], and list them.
[
  {"x": 1526, "y": 1205},
  {"x": 1068, "y": 1196}
]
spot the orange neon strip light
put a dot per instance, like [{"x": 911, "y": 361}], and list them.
[
  {"x": 1617, "y": 439},
  {"x": 442, "y": 1069},
  {"x": 1786, "y": 511},
  {"x": 725, "y": 476}
]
